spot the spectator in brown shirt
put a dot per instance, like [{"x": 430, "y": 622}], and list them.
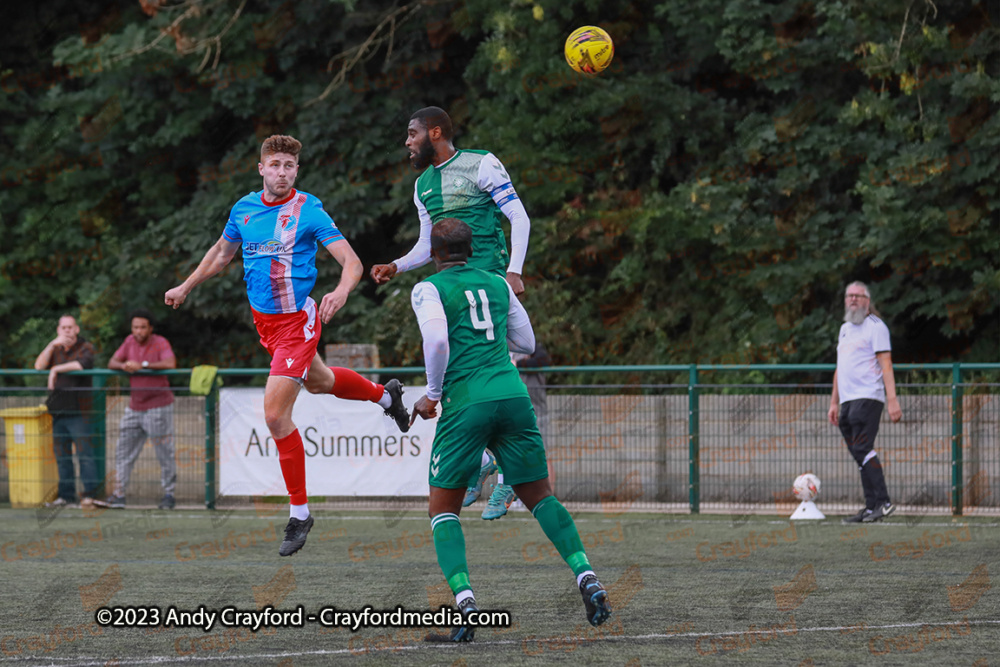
[{"x": 69, "y": 403}]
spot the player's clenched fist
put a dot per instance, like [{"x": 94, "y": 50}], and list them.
[
  {"x": 383, "y": 273},
  {"x": 516, "y": 284},
  {"x": 175, "y": 297}
]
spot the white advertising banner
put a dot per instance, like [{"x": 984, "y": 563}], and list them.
[{"x": 352, "y": 448}]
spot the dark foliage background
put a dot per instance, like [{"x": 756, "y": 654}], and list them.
[{"x": 705, "y": 200}]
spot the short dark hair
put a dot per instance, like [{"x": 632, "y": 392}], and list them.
[
  {"x": 435, "y": 117},
  {"x": 144, "y": 314},
  {"x": 451, "y": 239}
]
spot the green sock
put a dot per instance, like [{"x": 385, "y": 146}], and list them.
[
  {"x": 560, "y": 529},
  {"x": 449, "y": 543}
]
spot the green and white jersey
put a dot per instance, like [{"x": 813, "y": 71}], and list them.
[
  {"x": 474, "y": 187},
  {"x": 468, "y": 317}
]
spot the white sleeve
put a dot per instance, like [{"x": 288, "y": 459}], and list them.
[
  {"x": 520, "y": 336},
  {"x": 880, "y": 338},
  {"x": 421, "y": 252},
  {"x": 493, "y": 179},
  {"x": 426, "y": 303}
]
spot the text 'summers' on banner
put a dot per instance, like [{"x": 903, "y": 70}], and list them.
[{"x": 351, "y": 448}]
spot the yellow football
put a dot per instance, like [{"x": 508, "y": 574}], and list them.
[{"x": 589, "y": 50}]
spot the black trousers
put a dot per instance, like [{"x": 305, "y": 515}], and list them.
[{"x": 858, "y": 423}]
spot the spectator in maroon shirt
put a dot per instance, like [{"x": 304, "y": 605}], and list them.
[
  {"x": 150, "y": 413},
  {"x": 69, "y": 404}
]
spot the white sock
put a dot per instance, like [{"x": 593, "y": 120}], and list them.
[
  {"x": 300, "y": 512},
  {"x": 385, "y": 401},
  {"x": 485, "y": 460},
  {"x": 580, "y": 576},
  {"x": 464, "y": 595},
  {"x": 499, "y": 478}
]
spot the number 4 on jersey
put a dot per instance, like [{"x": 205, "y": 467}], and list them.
[{"x": 487, "y": 322}]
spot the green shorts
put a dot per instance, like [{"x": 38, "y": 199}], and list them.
[{"x": 508, "y": 427}]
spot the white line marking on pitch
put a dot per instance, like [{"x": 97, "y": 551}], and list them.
[
  {"x": 897, "y": 522},
  {"x": 154, "y": 660}
]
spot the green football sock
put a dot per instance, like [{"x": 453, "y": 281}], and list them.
[
  {"x": 560, "y": 529},
  {"x": 449, "y": 543}
]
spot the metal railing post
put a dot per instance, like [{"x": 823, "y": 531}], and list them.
[
  {"x": 662, "y": 455},
  {"x": 694, "y": 459},
  {"x": 956, "y": 440},
  {"x": 98, "y": 443},
  {"x": 210, "y": 448}
]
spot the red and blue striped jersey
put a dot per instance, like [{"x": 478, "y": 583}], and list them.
[{"x": 279, "y": 247}]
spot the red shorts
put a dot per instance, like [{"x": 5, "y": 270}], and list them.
[{"x": 290, "y": 338}]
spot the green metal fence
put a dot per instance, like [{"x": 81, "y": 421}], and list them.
[
  {"x": 194, "y": 435},
  {"x": 684, "y": 438}
]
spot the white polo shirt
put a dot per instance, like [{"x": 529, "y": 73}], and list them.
[{"x": 858, "y": 372}]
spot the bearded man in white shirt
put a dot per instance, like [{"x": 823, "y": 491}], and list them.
[{"x": 863, "y": 385}]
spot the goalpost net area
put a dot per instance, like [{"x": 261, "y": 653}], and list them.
[{"x": 674, "y": 439}]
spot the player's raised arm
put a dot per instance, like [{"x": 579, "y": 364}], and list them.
[
  {"x": 216, "y": 259},
  {"x": 493, "y": 178},
  {"x": 350, "y": 276}
]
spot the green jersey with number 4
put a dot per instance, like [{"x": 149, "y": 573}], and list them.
[
  {"x": 479, "y": 366},
  {"x": 454, "y": 190}
]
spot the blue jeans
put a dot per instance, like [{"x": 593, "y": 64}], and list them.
[{"x": 65, "y": 432}]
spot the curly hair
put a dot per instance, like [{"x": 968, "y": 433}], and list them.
[{"x": 280, "y": 143}]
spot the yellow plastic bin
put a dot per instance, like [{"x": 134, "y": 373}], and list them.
[{"x": 32, "y": 465}]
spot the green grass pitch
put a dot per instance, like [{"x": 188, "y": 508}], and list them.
[{"x": 687, "y": 590}]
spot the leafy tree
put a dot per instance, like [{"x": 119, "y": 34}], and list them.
[{"x": 704, "y": 200}]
